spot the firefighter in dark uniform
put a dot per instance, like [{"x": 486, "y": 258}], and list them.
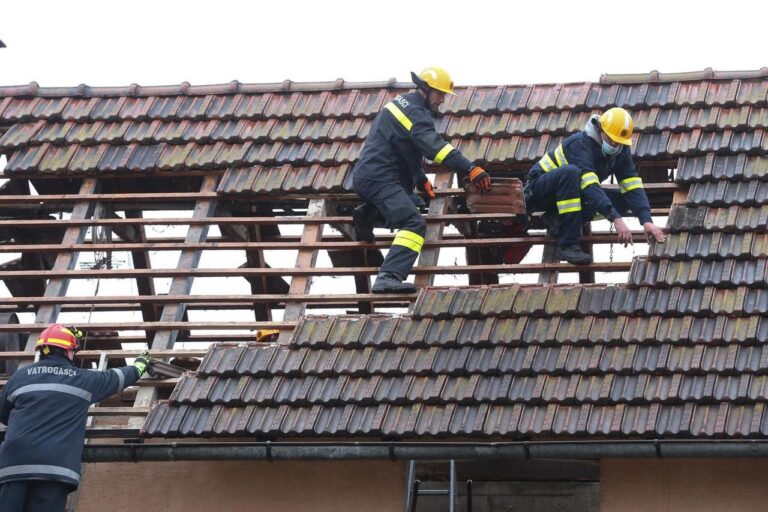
[
  {"x": 566, "y": 184},
  {"x": 45, "y": 406},
  {"x": 391, "y": 165}
]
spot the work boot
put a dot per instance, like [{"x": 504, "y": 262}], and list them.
[
  {"x": 361, "y": 222},
  {"x": 386, "y": 282},
  {"x": 574, "y": 255}
]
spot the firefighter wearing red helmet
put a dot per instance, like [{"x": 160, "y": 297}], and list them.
[{"x": 45, "y": 406}]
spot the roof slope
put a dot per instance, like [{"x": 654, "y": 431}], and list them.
[{"x": 680, "y": 351}]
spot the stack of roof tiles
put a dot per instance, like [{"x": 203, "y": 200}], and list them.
[
  {"x": 680, "y": 351},
  {"x": 305, "y": 137}
]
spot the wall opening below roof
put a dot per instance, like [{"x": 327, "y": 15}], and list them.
[{"x": 532, "y": 485}]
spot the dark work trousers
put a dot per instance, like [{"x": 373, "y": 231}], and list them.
[
  {"x": 396, "y": 206},
  {"x": 559, "y": 191},
  {"x": 34, "y": 496}
]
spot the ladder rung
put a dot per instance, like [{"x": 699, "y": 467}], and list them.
[{"x": 434, "y": 492}]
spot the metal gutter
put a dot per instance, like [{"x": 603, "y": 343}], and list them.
[{"x": 271, "y": 451}]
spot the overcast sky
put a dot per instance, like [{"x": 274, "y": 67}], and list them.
[{"x": 159, "y": 42}]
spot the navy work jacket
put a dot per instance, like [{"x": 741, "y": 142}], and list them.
[
  {"x": 585, "y": 153},
  {"x": 402, "y": 135},
  {"x": 45, "y": 406}
]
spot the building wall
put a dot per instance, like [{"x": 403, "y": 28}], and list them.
[
  {"x": 529, "y": 496},
  {"x": 283, "y": 486},
  {"x": 680, "y": 485}
]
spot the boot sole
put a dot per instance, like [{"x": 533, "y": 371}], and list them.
[
  {"x": 393, "y": 290},
  {"x": 578, "y": 262},
  {"x": 572, "y": 262}
]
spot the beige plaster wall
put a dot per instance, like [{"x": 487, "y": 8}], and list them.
[
  {"x": 283, "y": 486},
  {"x": 680, "y": 485}
]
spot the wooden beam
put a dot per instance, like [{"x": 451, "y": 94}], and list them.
[
  {"x": 335, "y": 221},
  {"x": 305, "y": 260},
  {"x": 158, "y": 327},
  {"x": 112, "y": 354},
  {"x": 141, "y": 259},
  {"x": 403, "y": 300},
  {"x": 65, "y": 261},
  {"x": 188, "y": 261},
  {"x": 341, "y": 245},
  {"x": 233, "y": 220},
  {"x": 133, "y": 198},
  {"x": 589, "y": 276},
  {"x": 437, "y": 206},
  {"x": 118, "y": 411},
  {"x": 548, "y": 258},
  {"x": 525, "y": 268},
  {"x": 181, "y": 285},
  {"x": 193, "y": 196},
  {"x": 152, "y": 174}
]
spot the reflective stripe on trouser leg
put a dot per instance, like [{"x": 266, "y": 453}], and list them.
[
  {"x": 589, "y": 178},
  {"x": 403, "y": 254},
  {"x": 409, "y": 239},
  {"x": 569, "y": 205},
  {"x": 559, "y": 191},
  {"x": 569, "y": 211},
  {"x": 395, "y": 205}
]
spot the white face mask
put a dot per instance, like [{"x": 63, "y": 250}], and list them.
[{"x": 610, "y": 150}]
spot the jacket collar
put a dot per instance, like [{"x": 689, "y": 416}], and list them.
[
  {"x": 417, "y": 99},
  {"x": 55, "y": 360}
]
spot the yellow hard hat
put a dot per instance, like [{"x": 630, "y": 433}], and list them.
[
  {"x": 617, "y": 125},
  {"x": 434, "y": 77}
]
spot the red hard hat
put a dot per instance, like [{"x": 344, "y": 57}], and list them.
[{"x": 59, "y": 336}]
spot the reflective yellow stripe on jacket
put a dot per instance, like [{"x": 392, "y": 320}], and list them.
[
  {"x": 553, "y": 159},
  {"x": 443, "y": 153},
  {"x": 630, "y": 184},
  {"x": 407, "y": 123},
  {"x": 409, "y": 239}
]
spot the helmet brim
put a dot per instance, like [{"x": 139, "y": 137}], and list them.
[{"x": 620, "y": 140}]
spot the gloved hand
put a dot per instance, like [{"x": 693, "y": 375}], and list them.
[
  {"x": 426, "y": 186},
  {"x": 142, "y": 362},
  {"x": 480, "y": 179}
]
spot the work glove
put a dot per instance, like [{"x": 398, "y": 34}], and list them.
[
  {"x": 426, "y": 186},
  {"x": 480, "y": 179},
  {"x": 142, "y": 362}
]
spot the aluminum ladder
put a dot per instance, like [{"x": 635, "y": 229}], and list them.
[{"x": 413, "y": 490}]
